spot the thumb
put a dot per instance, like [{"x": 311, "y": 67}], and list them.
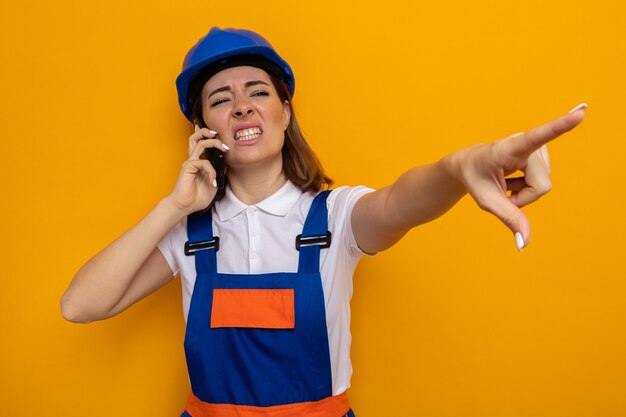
[{"x": 511, "y": 215}]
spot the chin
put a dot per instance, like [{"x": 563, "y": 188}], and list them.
[{"x": 254, "y": 161}]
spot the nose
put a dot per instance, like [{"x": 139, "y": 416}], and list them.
[{"x": 243, "y": 108}]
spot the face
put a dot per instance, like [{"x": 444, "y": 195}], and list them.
[{"x": 242, "y": 105}]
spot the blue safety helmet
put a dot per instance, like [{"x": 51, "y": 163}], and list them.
[{"x": 226, "y": 48}]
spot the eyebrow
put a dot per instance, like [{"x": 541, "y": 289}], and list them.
[{"x": 246, "y": 85}]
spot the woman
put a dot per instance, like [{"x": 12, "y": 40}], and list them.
[{"x": 267, "y": 270}]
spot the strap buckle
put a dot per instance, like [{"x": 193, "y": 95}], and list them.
[
  {"x": 323, "y": 241},
  {"x": 192, "y": 248}
]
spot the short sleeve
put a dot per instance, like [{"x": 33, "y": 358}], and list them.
[
  {"x": 341, "y": 202},
  {"x": 166, "y": 246}
]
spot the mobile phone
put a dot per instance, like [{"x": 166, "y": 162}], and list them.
[{"x": 216, "y": 158}]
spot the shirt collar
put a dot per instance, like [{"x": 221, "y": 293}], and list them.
[{"x": 278, "y": 204}]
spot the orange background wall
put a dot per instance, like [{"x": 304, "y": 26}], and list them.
[{"x": 450, "y": 322}]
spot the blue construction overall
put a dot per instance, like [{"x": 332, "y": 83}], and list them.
[{"x": 257, "y": 345}]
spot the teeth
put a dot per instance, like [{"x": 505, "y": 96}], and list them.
[{"x": 247, "y": 134}]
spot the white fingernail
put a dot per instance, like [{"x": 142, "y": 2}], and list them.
[
  {"x": 519, "y": 241},
  {"x": 196, "y": 128},
  {"x": 215, "y": 183},
  {"x": 212, "y": 132},
  {"x": 225, "y": 147},
  {"x": 580, "y": 106}
]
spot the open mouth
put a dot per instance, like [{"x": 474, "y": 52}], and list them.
[{"x": 248, "y": 134}]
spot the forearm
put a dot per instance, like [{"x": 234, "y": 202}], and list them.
[
  {"x": 418, "y": 196},
  {"x": 131, "y": 267},
  {"x": 422, "y": 194},
  {"x": 102, "y": 282}
]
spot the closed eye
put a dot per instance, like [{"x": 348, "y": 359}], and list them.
[{"x": 218, "y": 102}]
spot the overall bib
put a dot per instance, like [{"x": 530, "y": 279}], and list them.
[{"x": 257, "y": 345}]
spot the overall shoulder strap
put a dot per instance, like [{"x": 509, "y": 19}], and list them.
[
  {"x": 315, "y": 235},
  {"x": 202, "y": 244}
]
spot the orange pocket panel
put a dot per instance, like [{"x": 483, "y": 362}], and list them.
[{"x": 255, "y": 308}]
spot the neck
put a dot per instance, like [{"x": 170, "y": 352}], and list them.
[{"x": 252, "y": 186}]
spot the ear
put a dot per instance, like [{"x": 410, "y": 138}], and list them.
[{"x": 286, "y": 114}]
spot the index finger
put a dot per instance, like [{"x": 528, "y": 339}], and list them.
[
  {"x": 201, "y": 145},
  {"x": 198, "y": 135},
  {"x": 524, "y": 145}
]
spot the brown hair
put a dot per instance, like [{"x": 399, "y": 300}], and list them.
[{"x": 300, "y": 164}]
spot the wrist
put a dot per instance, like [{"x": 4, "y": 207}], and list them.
[
  {"x": 451, "y": 166},
  {"x": 172, "y": 210}
]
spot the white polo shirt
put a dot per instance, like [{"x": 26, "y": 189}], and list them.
[{"x": 260, "y": 239}]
